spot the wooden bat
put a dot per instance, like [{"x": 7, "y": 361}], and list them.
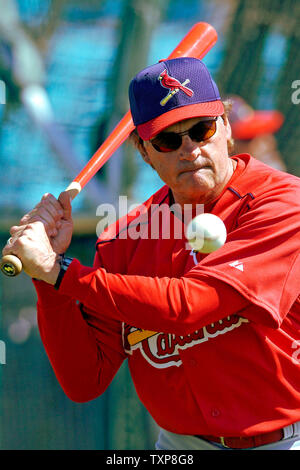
[{"x": 197, "y": 42}]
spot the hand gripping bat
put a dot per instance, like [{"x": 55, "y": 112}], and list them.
[{"x": 197, "y": 42}]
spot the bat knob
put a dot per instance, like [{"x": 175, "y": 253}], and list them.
[{"x": 10, "y": 265}]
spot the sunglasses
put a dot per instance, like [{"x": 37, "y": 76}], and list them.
[{"x": 169, "y": 141}]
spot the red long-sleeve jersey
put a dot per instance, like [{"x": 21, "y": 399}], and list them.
[{"x": 221, "y": 354}]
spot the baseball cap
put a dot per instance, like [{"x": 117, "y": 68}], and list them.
[
  {"x": 247, "y": 123},
  {"x": 170, "y": 91}
]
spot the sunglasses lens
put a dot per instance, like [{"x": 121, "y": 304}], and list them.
[
  {"x": 166, "y": 142},
  {"x": 203, "y": 130},
  {"x": 169, "y": 141}
]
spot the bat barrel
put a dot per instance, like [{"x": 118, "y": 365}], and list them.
[
  {"x": 201, "y": 37},
  {"x": 116, "y": 138}
]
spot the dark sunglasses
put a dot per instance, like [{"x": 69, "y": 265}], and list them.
[{"x": 170, "y": 141}]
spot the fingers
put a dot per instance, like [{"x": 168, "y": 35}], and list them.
[
  {"x": 51, "y": 204},
  {"x": 16, "y": 232},
  {"x": 7, "y": 250},
  {"x": 31, "y": 244},
  {"x": 48, "y": 211},
  {"x": 48, "y": 207},
  {"x": 56, "y": 217},
  {"x": 65, "y": 201}
]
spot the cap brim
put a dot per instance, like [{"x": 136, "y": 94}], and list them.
[
  {"x": 149, "y": 129},
  {"x": 258, "y": 123}
]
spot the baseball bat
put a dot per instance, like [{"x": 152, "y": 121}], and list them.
[{"x": 196, "y": 43}]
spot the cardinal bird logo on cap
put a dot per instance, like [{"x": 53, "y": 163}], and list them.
[{"x": 173, "y": 85}]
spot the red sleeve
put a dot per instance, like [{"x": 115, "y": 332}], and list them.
[
  {"x": 85, "y": 352},
  {"x": 171, "y": 305}
]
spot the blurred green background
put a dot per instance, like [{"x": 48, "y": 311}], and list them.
[{"x": 66, "y": 66}]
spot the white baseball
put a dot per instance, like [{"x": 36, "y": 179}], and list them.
[{"x": 206, "y": 233}]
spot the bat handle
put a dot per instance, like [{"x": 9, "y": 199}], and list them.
[{"x": 10, "y": 265}]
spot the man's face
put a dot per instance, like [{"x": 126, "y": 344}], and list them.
[{"x": 196, "y": 172}]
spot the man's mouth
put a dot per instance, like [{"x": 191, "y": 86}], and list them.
[{"x": 195, "y": 169}]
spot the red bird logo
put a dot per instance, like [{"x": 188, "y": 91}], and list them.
[{"x": 173, "y": 85}]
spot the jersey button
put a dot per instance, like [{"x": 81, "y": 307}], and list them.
[
  {"x": 193, "y": 362},
  {"x": 215, "y": 412}
]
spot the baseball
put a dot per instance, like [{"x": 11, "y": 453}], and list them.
[{"x": 206, "y": 233}]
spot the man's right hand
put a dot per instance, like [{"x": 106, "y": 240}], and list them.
[
  {"x": 43, "y": 234},
  {"x": 56, "y": 216}
]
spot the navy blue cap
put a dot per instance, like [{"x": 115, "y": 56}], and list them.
[{"x": 171, "y": 91}]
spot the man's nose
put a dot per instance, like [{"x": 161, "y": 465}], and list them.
[{"x": 189, "y": 150}]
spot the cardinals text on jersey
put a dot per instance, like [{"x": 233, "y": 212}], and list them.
[{"x": 162, "y": 350}]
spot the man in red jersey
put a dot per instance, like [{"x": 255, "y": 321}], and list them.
[{"x": 212, "y": 340}]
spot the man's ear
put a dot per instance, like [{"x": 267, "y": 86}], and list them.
[
  {"x": 142, "y": 149},
  {"x": 227, "y": 127},
  {"x": 140, "y": 146},
  {"x": 146, "y": 157}
]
